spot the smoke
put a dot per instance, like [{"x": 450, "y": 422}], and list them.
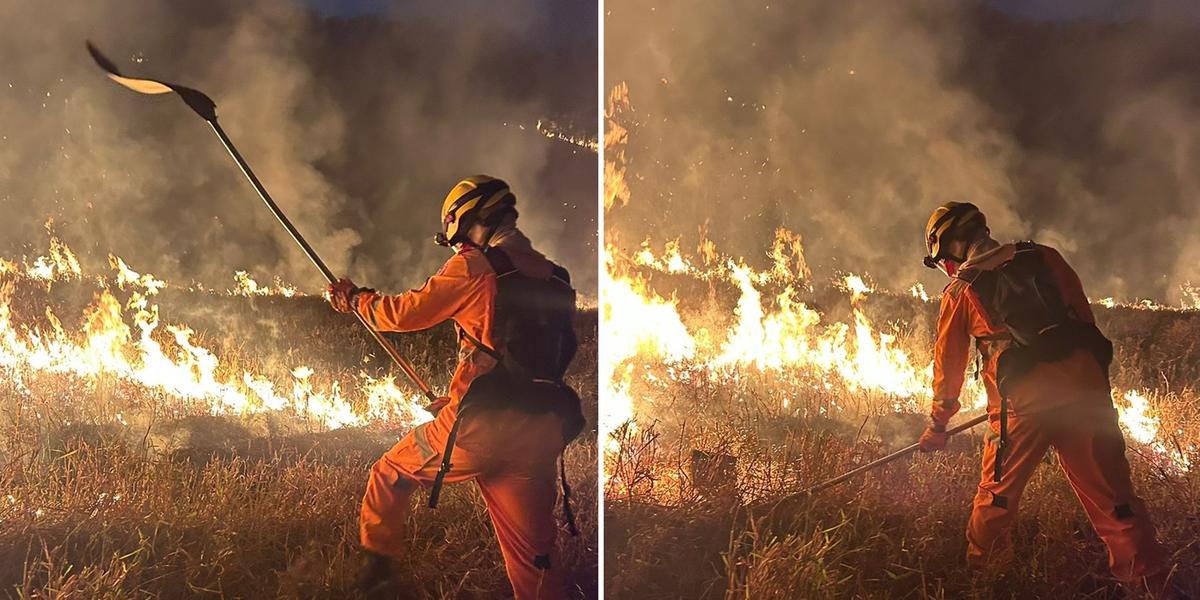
[
  {"x": 357, "y": 125},
  {"x": 849, "y": 122}
]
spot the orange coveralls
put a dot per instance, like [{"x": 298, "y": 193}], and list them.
[
  {"x": 511, "y": 456},
  {"x": 1066, "y": 405}
]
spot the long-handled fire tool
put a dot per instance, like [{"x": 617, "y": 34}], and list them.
[
  {"x": 882, "y": 461},
  {"x": 207, "y": 109}
]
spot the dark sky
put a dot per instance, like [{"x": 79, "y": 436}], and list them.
[
  {"x": 1108, "y": 10},
  {"x": 549, "y": 20},
  {"x": 349, "y": 8}
]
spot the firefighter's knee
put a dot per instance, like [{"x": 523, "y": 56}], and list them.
[
  {"x": 388, "y": 489},
  {"x": 997, "y": 505},
  {"x": 386, "y": 475},
  {"x": 405, "y": 485},
  {"x": 380, "y": 473},
  {"x": 378, "y": 468}
]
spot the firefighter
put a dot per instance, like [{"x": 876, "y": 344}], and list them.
[
  {"x": 1045, "y": 369},
  {"x": 511, "y": 452}
]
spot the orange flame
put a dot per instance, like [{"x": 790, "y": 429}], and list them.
[{"x": 106, "y": 345}]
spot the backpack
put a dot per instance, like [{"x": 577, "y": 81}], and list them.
[
  {"x": 535, "y": 320},
  {"x": 1024, "y": 296}
]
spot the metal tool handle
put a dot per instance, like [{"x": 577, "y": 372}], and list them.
[
  {"x": 316, "y": 260},
  {"x": 889, "y": 458}
]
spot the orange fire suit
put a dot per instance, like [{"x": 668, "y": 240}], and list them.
[
  {"x": 1066, "y": 405},
  {"x": 510, "y": 455}
]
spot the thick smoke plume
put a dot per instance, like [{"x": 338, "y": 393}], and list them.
[
  {"x": 357, "y": 125},
  {"x": 848, "y": 122}
]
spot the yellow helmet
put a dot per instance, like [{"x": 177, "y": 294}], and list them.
[
  {"x": 946, "y": 222},
  {"x": 472, "y": 200}
]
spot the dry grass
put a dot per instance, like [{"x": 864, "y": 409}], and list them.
[
  {"x": 672, "y": 532},
  {"x": 170, "y": 502}
]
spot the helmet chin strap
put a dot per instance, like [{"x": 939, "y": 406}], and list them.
[
  {"x": 941, "y": 262},
  {"x": 949, "y": 266},
  {"x": 949, "y": 263},
  {"x": 441, "y": 240}
]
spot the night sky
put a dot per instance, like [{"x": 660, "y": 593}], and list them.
[{"x": 1106, "y": 10}]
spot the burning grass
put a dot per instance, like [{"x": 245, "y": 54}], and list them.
[
  {"x": 743, "y": 385},
  {"x": 140, "y": 457}
]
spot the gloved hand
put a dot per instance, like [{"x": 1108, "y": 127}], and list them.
[
  {"x": 436, "y": 406},
  {"x": 342, "y": 294},
  {"x": 934, "y": 437}
]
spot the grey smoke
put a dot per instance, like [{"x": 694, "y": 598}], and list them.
[
  {"x": 850, "y": 121},
  {"x": 357, "y": 125}
]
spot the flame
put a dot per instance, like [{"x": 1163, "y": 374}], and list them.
[
  {"x": 672, "y": 261},
  {"x": 1191, "y": 296},
  {"x": 60, "y": 265},
  {"x": 1139, "y": 420},
  {"x": 128, "y": 342},
  {"x": 555, "y": 131},
  {"x": 637, "y": 322},
  {"x": 1189, "y": 300},
  {"x": 918, "y": 292},
  {"x": 787, "y": 256},
  {"x": 127, "y": 277},
  {"x": 1133, "y": 414},
  {"x": 616, "y": 190},
  {"x": 248, "y": 287}
]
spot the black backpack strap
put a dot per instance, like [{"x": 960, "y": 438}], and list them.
[
  {"x": 561, "y": 274},
  {"x": 1002, "y": 442},
  {"x": 501, "y": 264},
  {"x": 568, "y": 514},
  {"x": 968, "y": 275},
  {"x": 435, "y": 492},
  {"x": 488, "y": 350},
  {"x": 995, "y": 337}
]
